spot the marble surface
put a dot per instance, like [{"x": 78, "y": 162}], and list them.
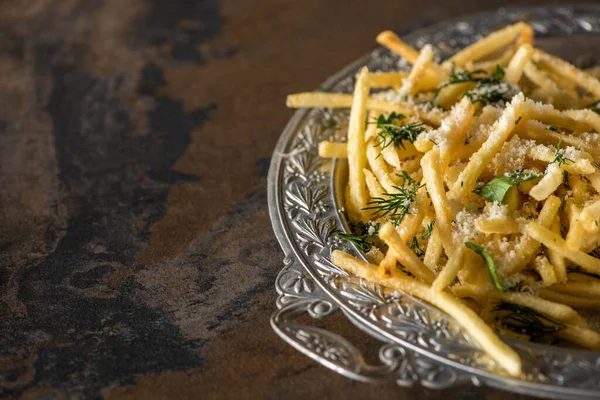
[{"x": 136, "y": 253}]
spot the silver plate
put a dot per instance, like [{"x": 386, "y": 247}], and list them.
[{"x": 419, "y": 343}]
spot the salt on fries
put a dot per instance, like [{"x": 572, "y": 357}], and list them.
[{"x": 474, "y": 185}]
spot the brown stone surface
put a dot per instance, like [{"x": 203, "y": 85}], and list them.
[{"x": 136, "y": 253}]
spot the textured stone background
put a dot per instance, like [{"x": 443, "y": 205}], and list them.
[{"x": 136, "y": 254}]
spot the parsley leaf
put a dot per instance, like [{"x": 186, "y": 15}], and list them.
[
  {"x": 489, "y": 262},
  {"x": 497, "y": 188}
]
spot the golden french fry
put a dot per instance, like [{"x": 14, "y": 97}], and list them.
[
  {"x": 422, "y": 64},
  {"x": 477, "y": 329},
  {"x": 526, "y": 248},
  {"x": 405, "y": 256},
  {"x": 556, "y": 243},
  {"x": 450, "y": 270},
  {"x": 515, "y": 68},
  {"x": 545, "y": 270},
  {"x": 357, "y": 161},
  {"x": 571, "y": 301},
  {"x": 432, "y": 176},
  {"x": 584, "y": 337},
  {"x": 589, "y": 289},
  {"x": 567, "y": 71},
  {"x": 389, "y": 39},
  {"x": 590, "y": 216},
  {"x": 560, "y": 267},
  {"x": 487, "y": 45},
  {"x": 548, "y": 184},
  {"x": 333, "y": 150},
  {"x": 467, "y": 180},
  {"x": 503, "y": 226},
  {"x": 434, "y": 250},
  {"x": 375, "y": 189},
  {"x": 343, "y": 100},
  {"x": 386, "y": 79}
]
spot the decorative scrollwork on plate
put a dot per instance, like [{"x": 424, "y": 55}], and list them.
[{"x": 419, "y": 343}]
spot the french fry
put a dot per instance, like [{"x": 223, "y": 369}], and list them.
[
  {"x": 477, "y": 329},
  {"x": 537, "y": 131},
  {"x": 567, "y": 71},
  {"x": 582, "y": 336},
  {"x": 571, "y": 301},
  {"x": 502, "y": 226},
  {"x": 579, "y": 277},
  {"x": 556, "y": 243},
  {"x": 386, "y": 79},
  {"x": 589, "y": 289},
  {"x": 549, "y": 115},
  {"x": 389, "y": 39},
  {"x": 403, "y": 254},
  {"x": 358, "y": 196},
  {"x": 375, "y": 189},
  {"x": 515, "y": 68},
  {"x": 487, "y": 45},
  {"x": 526, "y": 248},
  {"x": 434, "y": 250},
  {"x": 548, "y": 184},
  {"x": 342, "y": 100},
  {"x": 467, "y": 180},
  {"x": 432, "y": 176},
  {"x": 560, "y": 267},
  {"x": 590, "y": 216},
  {"x": 545, "y": 270},
  {"x": 450, "y": 270},
  {"x": 379, "y": 167},
  {"x": 333, "y": 150},
  {"x": 422, "y": 64}
]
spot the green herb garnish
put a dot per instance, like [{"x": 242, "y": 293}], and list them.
[
  {"x": 497, "y": 188},
  {"x": 392, "y": 134},
  {"x": 395, "y": 205},
  {"x": 329, "y": 124},
  {"x": 559, "y": 156},
  {"x": 489, "y": 261},
  {"x": 360, "y": 235},
  {"x": 527, "y": 321},
  {"x": 427, "y": 233},
  {"x": 487, "y": 87},
  {"x": 414, "y": 246}
]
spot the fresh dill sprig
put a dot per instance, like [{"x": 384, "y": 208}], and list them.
[
  {"x": 414, "y": 246},
  {"x": 396, "y": 205},
  {"x": 527, "y": 321},
  {"x": 392, "y": 134},
  {"x": 427, "y": 233},
  {"x": 361, "y": 235},
  {"x": 359, "y": 240},
  {"x": 479, "y": 77},
  {"x": 559, "y": 156}
]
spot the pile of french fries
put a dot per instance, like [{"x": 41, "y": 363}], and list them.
[{"x": 505, "y": 201}]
